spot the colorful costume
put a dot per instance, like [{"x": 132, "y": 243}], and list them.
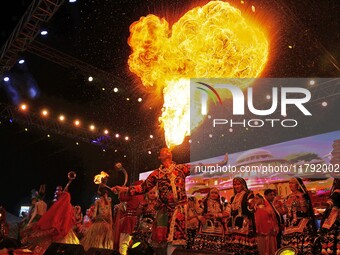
[
  {"x": 146, "y": 213},
  {"x": 100, "y": 233},
  {"x": 330, "y": 226},
  {"x": 211, "y": 233},
  {"x": 54, "y": 226},
  {"x": 193, "y": 222},
  {"x": 240, "y": 231},
  {"x": 128, "y": 220},
  {"x": 300, "y": 226},
  {"x": 170, "y": 224},
  {"x": 267, "y": 227}
]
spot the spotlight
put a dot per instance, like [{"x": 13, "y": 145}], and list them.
[
  {"x": 117, "y": 135},
  {"x": 126, "y": 138},
  {"x": 44, "y": 112},
  {"x": 77, "y": 122},
  {"x": 21, "y": 61},
  {"x": 61, "y": 117},
  {"x": 115, "y": 90},
  {"x": 6, "y": 78},
  {"x": 23, "y": 107},
  {"x": 43, "y": 32},
  {"x": 92, "y": 127},
  {"x": 312, "y": 82},
  {"x": 140, "y": 99},
  {"x": 149, "y": 152},
  {"x": 106, "y": 132},
  {"x": 151, "y": 136},
  {"x": 268, "y": 97},
  {"x": 140, "y": 248},
  {"x": 90, "y": 78},
  {"x": 287, "y": 250},
  {"x": 324, "y": 104},
  {"x": 72, "y": 1}
]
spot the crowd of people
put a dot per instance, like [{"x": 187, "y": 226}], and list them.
[{"x": 157, "y": 215}]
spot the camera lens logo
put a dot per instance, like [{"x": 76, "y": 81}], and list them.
[{"x": 212, "y": 93}]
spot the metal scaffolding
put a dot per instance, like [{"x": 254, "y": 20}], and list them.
[
  {"x": 13, "y": 114},
  {"x": 38, "y": 13},
  {"x": 70, "y": 62}
]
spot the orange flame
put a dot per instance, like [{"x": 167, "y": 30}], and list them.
[
  {"x": 99, "y": 177},
  {"x": 213, "y": 41}
]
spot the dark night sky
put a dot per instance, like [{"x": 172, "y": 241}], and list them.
[{"x": 96, "y": 32}]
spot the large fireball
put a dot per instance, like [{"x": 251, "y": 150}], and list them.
[{"x": 213, "y": 41}]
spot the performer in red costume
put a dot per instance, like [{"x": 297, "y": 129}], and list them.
[
  {"x": 169, "y": 230},
  {"x": 128, "y": 220}
]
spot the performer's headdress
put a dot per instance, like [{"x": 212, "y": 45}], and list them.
[
  {"x": 243, "y": 182},
  {"x": 38, "y": 194}
]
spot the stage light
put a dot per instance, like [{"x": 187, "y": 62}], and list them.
[
  {"x": 140, "y": 248},
  {"x": 72, "y": 1},
  {"x": 92, "y": 127},
  {"x": 21, "y": 61},
  {"x": 149, "y": 152},
  {"x": 312, "y": 82},
  {"x": 48, "y": 136},
  {"x": 230, "y": 130},
  {"x": 77, "y": 143},
  {"x": 61, "y": 117},
  {"x": 104, "y": 150},
  {"x": 90, "y": 78},
  {"x": 115, "y": 90},
  {"x": 190, "y": 141},
  {"x": 44, "y": 112},
  {"x": 324, "y": 104},
  {"x": 23, "y": 107},
  {"x": 210, "y": 135},
  {"x": 124, "y": 156},
  {"x": 286, "y": 251},
  {"x": 106, "y": 131},
  {"x": 151, "y": 136},
  {"x": 126, "y": 138},
  {"x": 77, "y": 122},
  {"x": 116, "y": 150},
  {"x": 26, "y": 129},
  {"x": 103, "y": 89},
  {"x": 268, "y": 97},
  {"x": 140, "y": 99},
  {"x": 43, "y": 32},
  {"x": 117, "y": 135},
  {"x": 6, "y": 78},
  {"x": 128, "y": 99}
]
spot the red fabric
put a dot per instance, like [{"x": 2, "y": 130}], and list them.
[
  {"x": 59, "y": 217},
  {"x": 265, "y": 220},
  {"x": 127, "y": 224},
  {"x": 159, "y": 234},
  {"x": 129, "y": 220}
]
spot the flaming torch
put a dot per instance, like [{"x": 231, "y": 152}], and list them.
[
  {"x": 101, "y": 179},
  {"x": 212, "y": 41}
]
